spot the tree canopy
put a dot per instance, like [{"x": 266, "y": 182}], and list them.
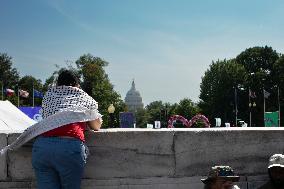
[
  {"x": 217, "y": 89},
  {"x": 9, "y": 76},
  {"x": 95, "y": 81},
  {"x": 255, "y": 69}
]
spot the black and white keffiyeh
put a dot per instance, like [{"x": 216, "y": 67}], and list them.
[{"x": 61, "y": 105}]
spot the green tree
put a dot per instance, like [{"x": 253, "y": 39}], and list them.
[
  {"x": 258, "y": 59},
  {"x": 154, "y": 111},
  {"x": 49, "y": 81},
  {"x": 142, "y": 117},
  {"x": 217, "y": 90},
  {"x": 278, "y": 71},
  {"x": 9, "y": 76},
  {"x": 159, "y": 111},
  {"x": 262, "y": 73},
  {"x": 27, "y": 83},
  {"x": 278, "y": 74},
  {"x": 97, "y": 84},
  {"x": 187, "y": 108}
]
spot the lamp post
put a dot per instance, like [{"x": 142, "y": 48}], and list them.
[
  {"x": 238, "y": 86},
  {"x": 251, "y": 94},
  {"x": 163, "y": 117},
  {"x": 111, "y": 110},
  {"x": 251, "y": 105},
  {"x": 236, "y": 107},
  {"x": 278, "y": 97}
]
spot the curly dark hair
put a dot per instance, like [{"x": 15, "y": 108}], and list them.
[{"x": 67, "y": 78}]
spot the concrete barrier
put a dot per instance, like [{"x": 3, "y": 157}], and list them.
[
  {"x": 135, "y": 154},
  {"x": 164, "y": 158},
  {"x": 19, "y": 161},
  {"x": 3, "y": 159},
  {"x": 247, "y": 151}
]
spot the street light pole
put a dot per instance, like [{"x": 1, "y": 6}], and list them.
[
  {"x": 249, "y": 108},
  {"x": 263, "y": 106},
  {"x": 111, "y": 110},
  {"x": 250, "y": 104},
  {"x": 278, "y": 96},
  {"x": 236, "y": 107}
]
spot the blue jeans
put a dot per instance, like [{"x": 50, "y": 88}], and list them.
[{"x": 58, "y": 162}]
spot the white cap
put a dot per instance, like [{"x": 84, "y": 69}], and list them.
[{"x": 276, "y": 160}]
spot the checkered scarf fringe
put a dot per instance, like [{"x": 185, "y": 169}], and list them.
[{"x": 61, "y": 105}]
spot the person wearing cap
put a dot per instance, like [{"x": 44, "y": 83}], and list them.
[
  {"x": 275, "y": 172},
  {"x": 221, "y": 177}
]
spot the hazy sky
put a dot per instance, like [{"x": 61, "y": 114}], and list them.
[{"x": 165, "y": 45}]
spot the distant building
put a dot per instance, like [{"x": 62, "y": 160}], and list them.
[{"x": 133, "y": 99}]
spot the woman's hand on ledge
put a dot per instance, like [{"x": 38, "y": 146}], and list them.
[{"x": 95, "y": 124}]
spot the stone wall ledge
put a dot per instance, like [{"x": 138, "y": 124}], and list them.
[
  {"x": 158, "y": 158},
  {"x": 149, "y": 183}
]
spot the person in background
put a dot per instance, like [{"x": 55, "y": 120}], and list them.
[
  {"x": 275, "y": 172},
  {"x": 59, "y": 154},
  {"x": 221, "y": 177}
]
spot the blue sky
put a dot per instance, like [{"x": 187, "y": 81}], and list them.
[{"x": 165, "y": 45}]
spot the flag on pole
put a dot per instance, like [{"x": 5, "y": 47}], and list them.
[
  {"x": 252, "y": 94},
  {"x": 24, "y": 94},
  {"x": 9, "y": 92},
  {"x": 38, "y": 94},
  {"x": 265, "y": 93}
]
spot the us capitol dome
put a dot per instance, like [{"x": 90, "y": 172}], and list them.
[{"x": 133, "y": 99}]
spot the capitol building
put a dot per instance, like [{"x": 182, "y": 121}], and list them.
[{"x": 133, "y": 99}]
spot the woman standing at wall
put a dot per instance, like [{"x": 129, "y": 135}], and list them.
[{"x": 59, "y": 155}]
